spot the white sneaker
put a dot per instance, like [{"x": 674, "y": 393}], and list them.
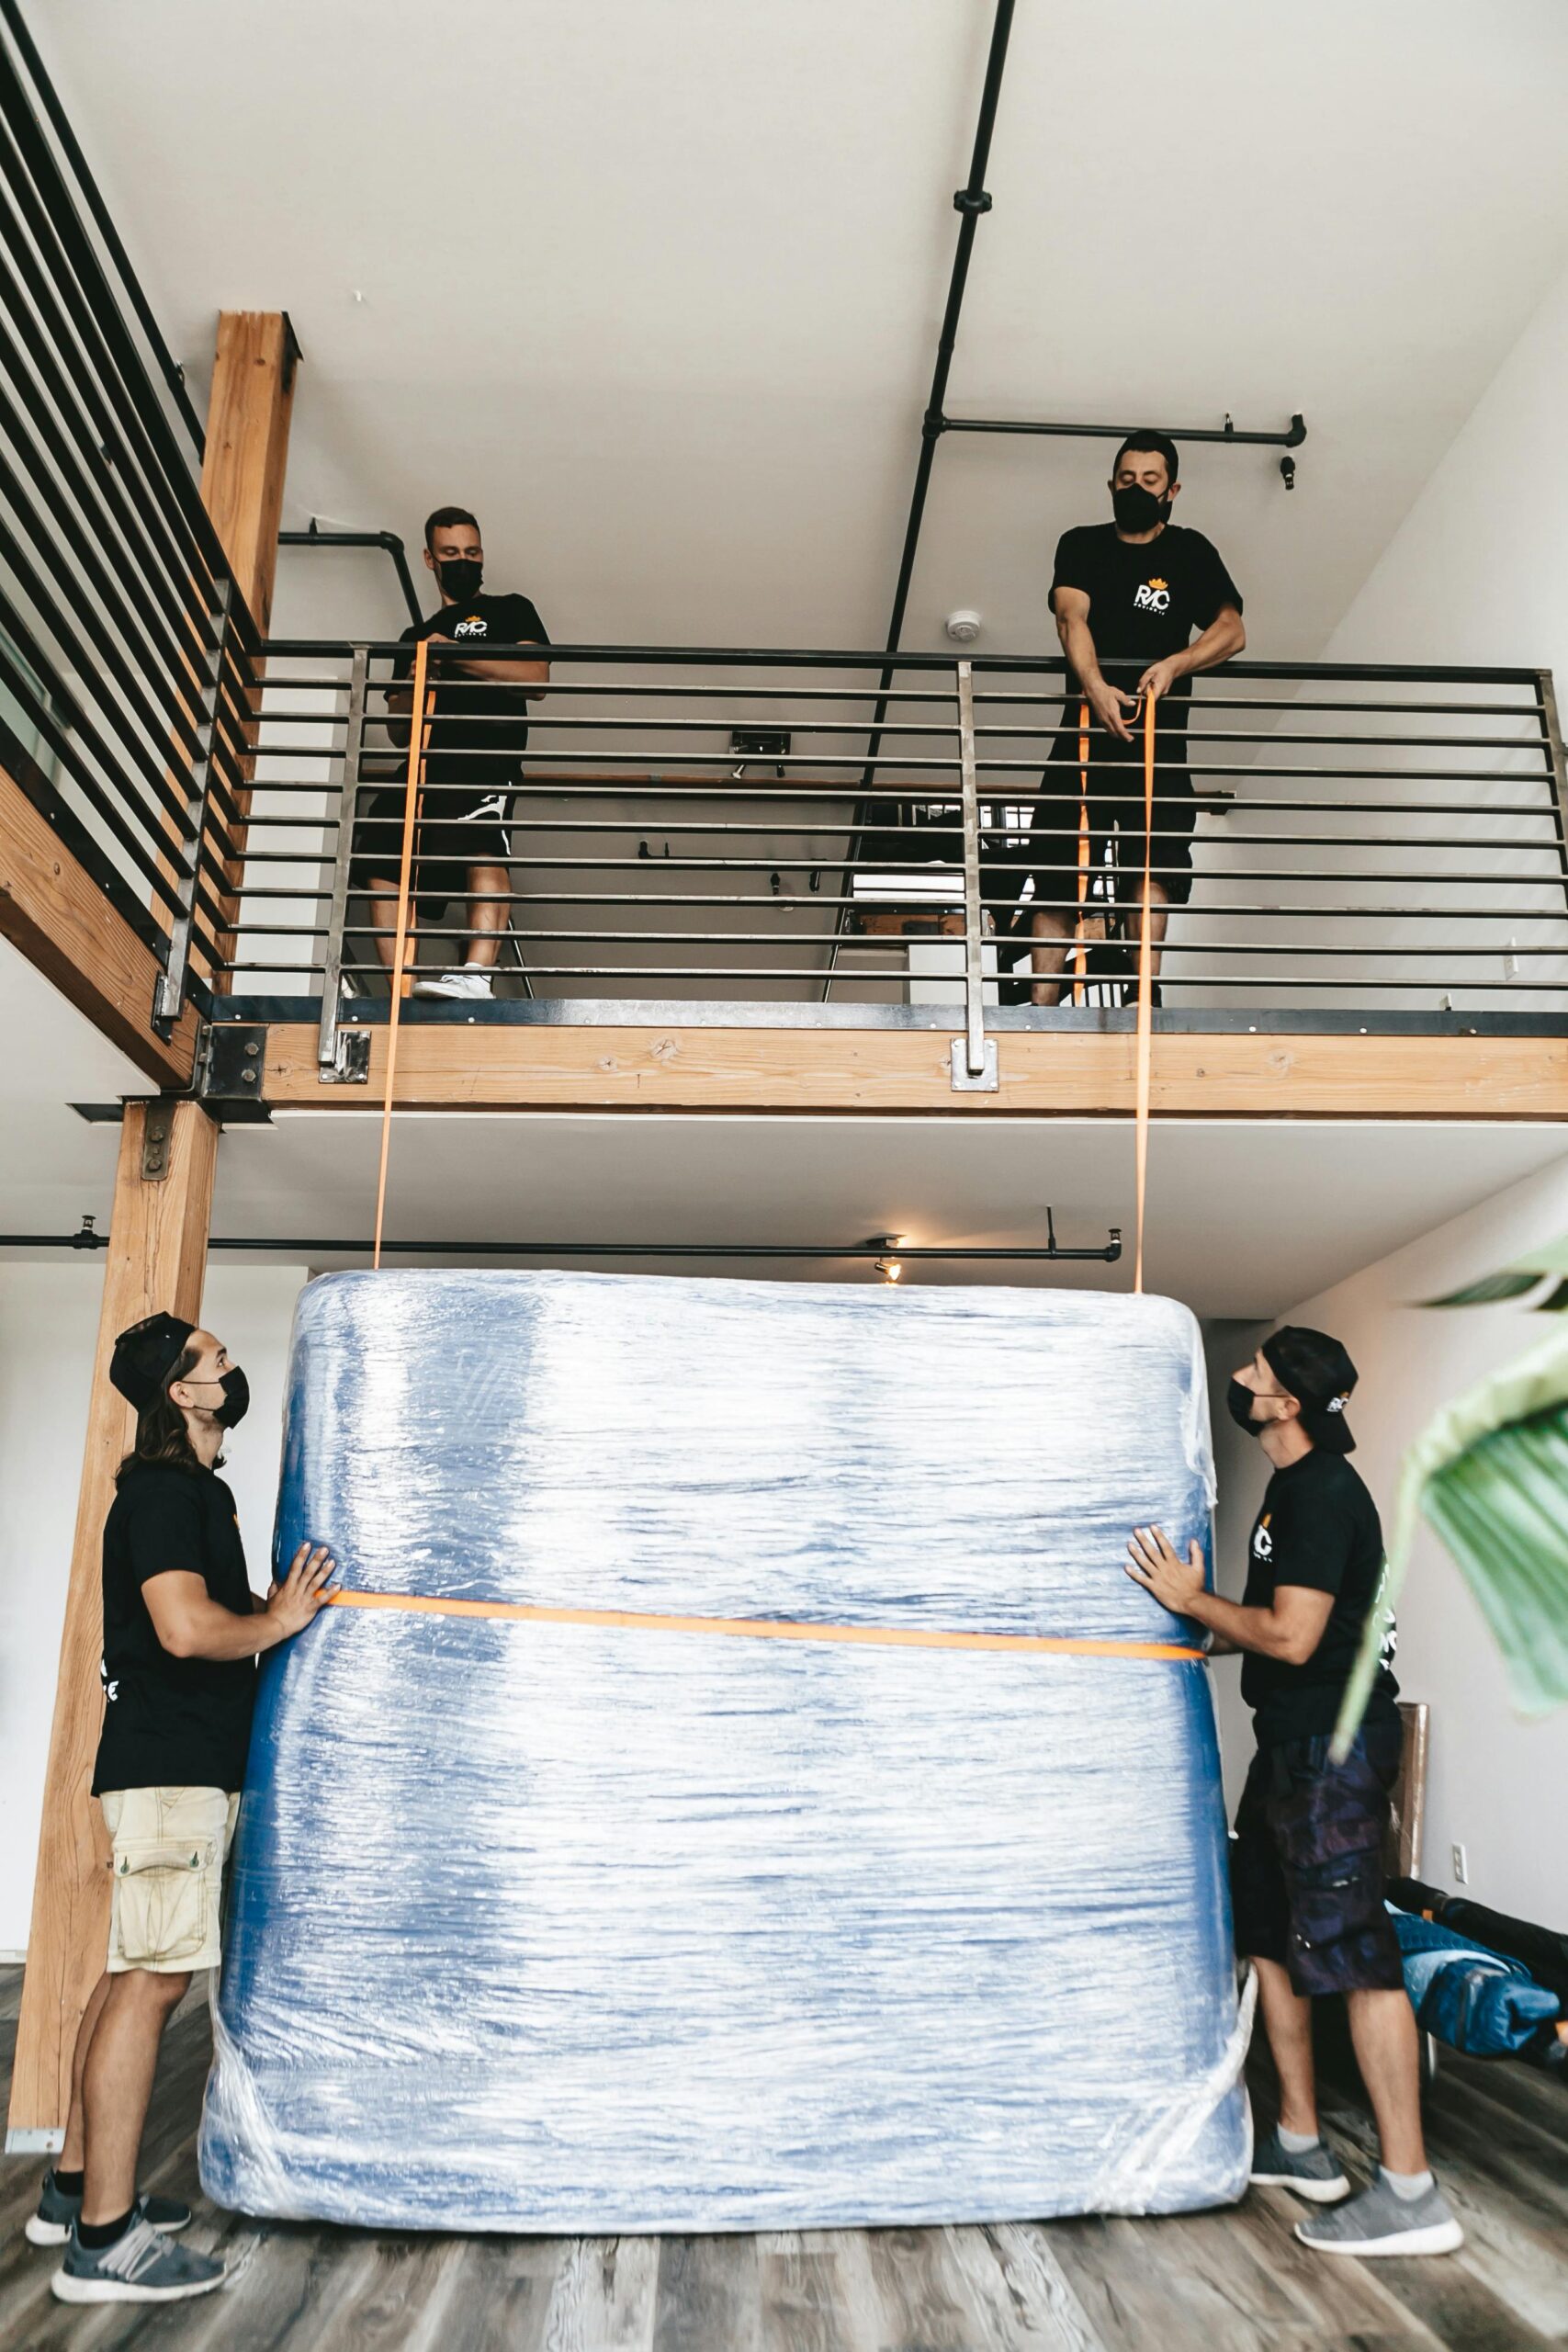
[{"x": 471, "y": 983}]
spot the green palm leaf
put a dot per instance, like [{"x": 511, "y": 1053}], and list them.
[
  {"x": 1490, "y": 1289},
  {"x": 1491, "y": 1474}
]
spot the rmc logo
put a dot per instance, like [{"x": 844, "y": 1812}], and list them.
[{"x": 1152, "y": 597}]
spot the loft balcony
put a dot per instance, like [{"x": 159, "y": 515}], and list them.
[{"x": 1378, "y": 921}]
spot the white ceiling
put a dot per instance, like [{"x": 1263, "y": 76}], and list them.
[{"x": 657, "y": 287}]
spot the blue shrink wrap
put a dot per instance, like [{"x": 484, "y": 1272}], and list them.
[{"x": 606, "y": 1927}]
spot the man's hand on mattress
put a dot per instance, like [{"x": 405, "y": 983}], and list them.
[{"x": 1177, "y": 1583}]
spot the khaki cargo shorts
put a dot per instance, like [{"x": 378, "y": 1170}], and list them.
[{"x": 170, "y": 1846}]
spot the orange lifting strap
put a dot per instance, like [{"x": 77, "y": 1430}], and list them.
[
  {"x": 768, "y": 1629},
  {"x": 412, "y": 811},
  {"x": 1145, "y": 990}
]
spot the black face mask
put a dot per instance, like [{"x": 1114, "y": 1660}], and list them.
[
  {"x": 459, "y": 577},
  {"x": 236, "y": 1398},
  {"x": 1137, "y": 509},
  {"x": 1240, "y": 1402}
]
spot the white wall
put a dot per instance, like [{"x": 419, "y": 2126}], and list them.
[
  {"x": 49, "y": 1320},
  {"x": 1474, "y": 573},
  {"x": 1471, "y": 576},
  {"x": 1494, "y": 1775}
]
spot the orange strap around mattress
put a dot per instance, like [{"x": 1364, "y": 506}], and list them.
[
  {"x": 417, "y": 729},
  {"x": 1146, "y": 978},
  {"x": 762, "y": 1629}
]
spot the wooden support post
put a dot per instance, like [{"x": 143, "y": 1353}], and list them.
[
  {"x": 241, "y": 488},
  {"x": 157, "y": 1251}
]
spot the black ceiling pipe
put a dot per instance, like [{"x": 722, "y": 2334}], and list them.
[
  {"x": 885, "y": 1245},
  {"x": 970, "y": 202},
  {"x": 1291, "y": 440},
  {"x": 316, "y": 537}
]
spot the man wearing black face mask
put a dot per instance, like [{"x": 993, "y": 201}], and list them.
[
  {"x": 1128, "y": 592},
  {"x": 478, "y": 735},
  {"x": 1306, "y": 1864},
  {"x": 182, "y": 1633}
]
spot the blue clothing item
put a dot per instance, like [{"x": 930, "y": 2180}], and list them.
[{"x": 1471, "y": 1998}]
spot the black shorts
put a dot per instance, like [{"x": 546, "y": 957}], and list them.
[
  {"x": 442, "y": 851},
  {"x": 1050, "y": 850},
  {"x": 1306, "y": 1863}
]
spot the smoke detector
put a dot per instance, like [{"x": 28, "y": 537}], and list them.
[{"x": 964, "y": 626}]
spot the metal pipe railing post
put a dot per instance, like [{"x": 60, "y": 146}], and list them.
[
  {"x": 174, "y": 982},
  {"x": 347, "y": 808},
  {"x": 973, "y": 964},
  {"x": 1553, "y": 733}
]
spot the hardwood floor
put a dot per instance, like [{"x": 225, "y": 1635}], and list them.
[{"x": 1233, "y": 2281}]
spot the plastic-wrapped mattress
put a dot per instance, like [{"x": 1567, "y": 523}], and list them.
[{"x": 559, "y": 1911}]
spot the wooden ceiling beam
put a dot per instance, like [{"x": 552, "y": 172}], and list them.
[
  {"x": 669, "y": 1067},
  {"x": 52, "y": 910}
]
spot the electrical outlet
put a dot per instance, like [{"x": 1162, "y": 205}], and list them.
[
  {"x": 1460, "y": 1862},
  {"x": 1511, "y": 960}
]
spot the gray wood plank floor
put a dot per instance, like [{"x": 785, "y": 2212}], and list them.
[{"x": 1233, "y": 2282}]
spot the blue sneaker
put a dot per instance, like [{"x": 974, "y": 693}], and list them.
[
  {"x": 51, "y": 2225},
  {"x": 140, "y": 2268}
]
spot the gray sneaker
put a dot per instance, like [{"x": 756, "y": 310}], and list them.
[
  {"x": 51, "y": 2225},
  {"x": 140, "y": 2268},
  {"x": 1377, "y": 2221},
  {"x": 1316, "y": 2173}
]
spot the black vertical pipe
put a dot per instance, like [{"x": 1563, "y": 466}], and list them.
[{"x": 970, "y": 201}]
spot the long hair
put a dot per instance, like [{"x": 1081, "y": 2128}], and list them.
[{"x": 160, "y": 1431}]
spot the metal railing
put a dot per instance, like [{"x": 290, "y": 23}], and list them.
[
  {"x": 1374, "y": 846},
  {"x": 125, "y": 650}
]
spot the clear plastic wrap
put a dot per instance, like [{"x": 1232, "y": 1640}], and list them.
[{"x": 561, "y": 1927}]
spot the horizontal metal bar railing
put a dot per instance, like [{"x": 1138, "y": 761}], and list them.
[
  {"x": 126, "y": 680},
  {"x": 1352, "y": 846}
]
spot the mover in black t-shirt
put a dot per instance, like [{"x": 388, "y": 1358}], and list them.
[
  {"x": 1127, "y": 595},
  {"x": 477, "y": 733},
  {"x": 181, "y": 1634},
  {"x": 1307, "y": 1859}
]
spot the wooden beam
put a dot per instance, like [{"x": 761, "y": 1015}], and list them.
[
  {"x": 241, "y": 487},
  {"x": 155, "y": 1258},
  {"x": 53, "y": 910},
  {"x": 247, "y": 447},
  {"x": 447, "y": 1066}
]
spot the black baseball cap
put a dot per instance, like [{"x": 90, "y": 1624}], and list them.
[
  {"x": 145, "y": 1357},
  {"x": 1318, "y": 1372}
]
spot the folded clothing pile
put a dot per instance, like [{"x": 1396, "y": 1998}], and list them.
[{"x": 1482, "y": 1982}]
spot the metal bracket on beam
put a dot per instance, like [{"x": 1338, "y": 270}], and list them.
[
  {"x": 157, "y": 1134},
  {"x": 350, "y": 1065},
  {"x": 986, "y": 1079},
  {"x": 233, "y": 1060}
]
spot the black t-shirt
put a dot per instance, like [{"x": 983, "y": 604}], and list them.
[
  {"x": 1318, "y": 1527},
  {"x": 1146, "y": 600},
  {"x": 170, "y": 1722},
  {"x": 474, "y": 714}
]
